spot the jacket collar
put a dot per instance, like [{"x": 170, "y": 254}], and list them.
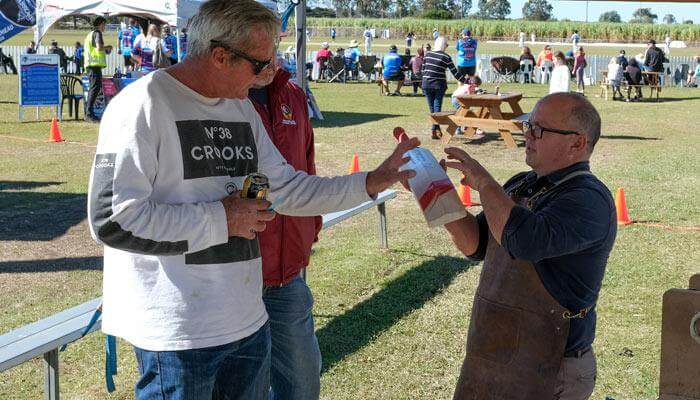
[
  {"x": 561, "y": 173},
  {"x": 531, "y": 178},
  {"x": 281, "y": 79}
]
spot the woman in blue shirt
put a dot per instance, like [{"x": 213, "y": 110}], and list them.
[{"x": 466, "y": 54}]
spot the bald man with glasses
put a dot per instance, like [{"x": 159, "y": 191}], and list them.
[{"x": 545, "y": 237}]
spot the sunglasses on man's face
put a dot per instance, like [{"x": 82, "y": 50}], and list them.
[
  {"x": 537, "y": 131},
  {"x": 258, "y": 65}
]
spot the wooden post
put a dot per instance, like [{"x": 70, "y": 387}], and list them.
[{"x": 51, "y": 375}]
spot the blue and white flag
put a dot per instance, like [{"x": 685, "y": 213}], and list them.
[{"x": 16, "y": 16}]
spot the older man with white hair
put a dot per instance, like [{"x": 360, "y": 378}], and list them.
[
  {"x": 545, "y": 238},
  {"x": 182, "y": 267}
]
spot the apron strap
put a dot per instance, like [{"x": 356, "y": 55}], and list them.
[{"x": 581, "y": 314}]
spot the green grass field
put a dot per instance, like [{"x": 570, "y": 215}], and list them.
[
  {"x": 391, "y": 323},
  {"x": 69, "y": 37}
]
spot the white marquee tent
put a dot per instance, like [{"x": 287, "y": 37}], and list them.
[{"x": 174, "y": 12}]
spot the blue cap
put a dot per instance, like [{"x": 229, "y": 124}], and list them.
[{"x": 467, "y": 32}]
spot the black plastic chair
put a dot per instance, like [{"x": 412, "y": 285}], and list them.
[{"x": 69, "y": 92}]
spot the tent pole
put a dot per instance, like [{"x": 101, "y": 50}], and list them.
[
  {"x": 177, "y": 40},
  {"x": 300, "y": 23}
]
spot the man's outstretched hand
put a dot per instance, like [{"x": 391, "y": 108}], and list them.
[
  {"x": 388, "y": 172},
  {"x": 474, "y": 174}
]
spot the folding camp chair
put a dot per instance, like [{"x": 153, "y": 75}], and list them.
[
  {"x": 367, "y": 66},
  {"x": 505, "y": 68},
  {"x": 337, "y": 66}
]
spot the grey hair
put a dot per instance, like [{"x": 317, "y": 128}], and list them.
[
  {"x": 231, "y": 22},
  {"x": 583, "y": 116}
]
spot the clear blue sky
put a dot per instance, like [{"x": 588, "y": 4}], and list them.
[{"x": 576, "y": 10}]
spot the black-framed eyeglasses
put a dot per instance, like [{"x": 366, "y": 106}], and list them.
[
  {"x": 537, "y": 131},
  {"x": 258, "y": 65}
]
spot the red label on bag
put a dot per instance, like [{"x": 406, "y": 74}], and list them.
[{"x": 434, "y": 191}]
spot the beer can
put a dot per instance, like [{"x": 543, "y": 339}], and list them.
[{"x": 255, "y": 186}]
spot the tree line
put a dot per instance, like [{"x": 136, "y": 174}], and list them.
[{"x": 533, "y": 10}]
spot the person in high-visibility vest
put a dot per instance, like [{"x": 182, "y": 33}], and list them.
[{"x": 95, "y": 59}]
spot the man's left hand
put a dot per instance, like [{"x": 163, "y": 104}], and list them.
[
  {"x": 475, "y": 175},
  {"x": 388, "y": 172}
]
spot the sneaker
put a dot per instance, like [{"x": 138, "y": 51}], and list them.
[
  {"x": 479, "y": 134},
  {"x": 91, "y": 118}
]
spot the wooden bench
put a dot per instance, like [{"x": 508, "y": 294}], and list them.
[
  {"x": 46, "y": 336},
  {"x": 444, "y": 118},
  {"x": 654, "y": 88},
  {"x": 486, "y": 115}
]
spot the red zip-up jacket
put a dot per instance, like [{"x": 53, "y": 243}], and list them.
[{"x": 285, "y": 244}]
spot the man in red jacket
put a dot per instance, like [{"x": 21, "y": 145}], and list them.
[{"x": 286, "y": 246}]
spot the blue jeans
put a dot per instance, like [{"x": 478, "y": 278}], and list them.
[
  {"x": 434, "y": 97},
  {"x": 296, "y": 357},
  {"x": 237, "y": 370}
]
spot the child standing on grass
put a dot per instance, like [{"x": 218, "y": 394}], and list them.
[{"x": 615, "y": 76}]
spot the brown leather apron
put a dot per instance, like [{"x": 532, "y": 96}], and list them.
[{"x": 517, "y": 333}]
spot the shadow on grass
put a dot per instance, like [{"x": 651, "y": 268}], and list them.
[
  {"x": 31, "y": 216},
  {"x": 339, "y": 119},
  {"x": 628, "y": 137},
  {"x": 55, "y": 265},
  {"x": 351, "y": 331},
  {"x": 669, "y": 99},
  {"x": 490, "y": 137},
  {"x": 25, "y": 185}
]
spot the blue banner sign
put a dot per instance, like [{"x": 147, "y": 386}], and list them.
[
  {"x": 39, "y": 80},
  {"x": 16, "y": 16}
]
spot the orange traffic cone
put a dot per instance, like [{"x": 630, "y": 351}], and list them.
[
  {"x": 623, "y": 217},
  {"x": 354, "y": 165},
  {"x": 465, "y": 195},
  {"x": 55, "y": 133}
]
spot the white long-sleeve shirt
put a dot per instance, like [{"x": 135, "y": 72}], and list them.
[
  {"x": 166, "y": 156},
  {"x": 559, "y": 81}
]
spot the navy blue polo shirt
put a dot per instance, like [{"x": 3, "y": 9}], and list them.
[{"x": 567, "y": 234}]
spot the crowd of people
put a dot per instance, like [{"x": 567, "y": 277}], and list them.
[{"x": 561, "y": 67}]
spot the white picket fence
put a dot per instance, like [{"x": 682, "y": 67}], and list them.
[{"x": 114, "y": 60}]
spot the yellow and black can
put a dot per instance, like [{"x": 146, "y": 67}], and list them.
[{"x": 255, "y": 186}]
